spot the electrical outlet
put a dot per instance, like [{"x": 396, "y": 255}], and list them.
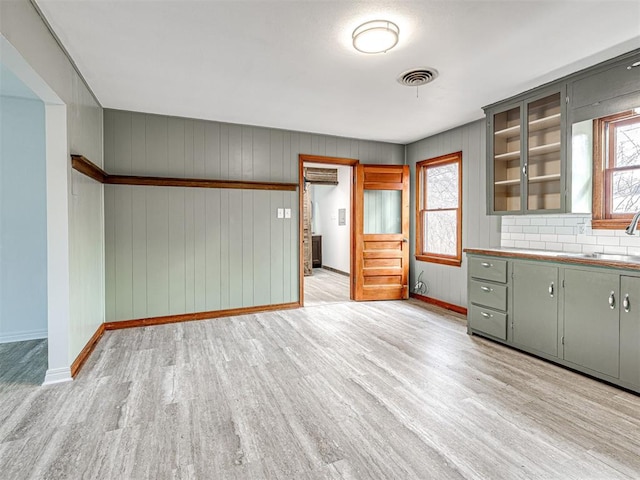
[
  {"x": 281, "y": 213},
  {"x": 582, "y": 229},
  {"x": 287, "y": 213}
]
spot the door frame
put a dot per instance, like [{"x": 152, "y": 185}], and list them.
[{"x": 350, "y": 162}]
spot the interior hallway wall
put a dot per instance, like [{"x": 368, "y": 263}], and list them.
[
  {"x": 23, "y": 220},
  {"x": 21, "y": 25},
  {"x": 448, "y": 283},
  {"x": 327, "y": 200},
  {"x": 181, "y": 250}
]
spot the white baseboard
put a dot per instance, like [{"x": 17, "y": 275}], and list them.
[
  {"x": 22, "y": 336},
  {"x": 57, "y": 375}
]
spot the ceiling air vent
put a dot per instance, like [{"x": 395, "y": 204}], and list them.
[{"x": 416, "y": 77}]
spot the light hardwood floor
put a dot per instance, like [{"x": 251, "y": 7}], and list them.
[
  {"x": 325, "y": 287},
  {"x": 386, "y": 390}
]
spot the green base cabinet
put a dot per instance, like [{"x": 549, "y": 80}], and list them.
[
  {"x": 630, "y": 331},
  {"x": 591, "y": 320},
  {"x": 584, "y": 317},
  {"x": 535, "y": 307}
]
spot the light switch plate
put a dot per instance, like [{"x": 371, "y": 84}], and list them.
[
  {"x": 287, "y": 213},
  {"x": 281, "y": 213}
]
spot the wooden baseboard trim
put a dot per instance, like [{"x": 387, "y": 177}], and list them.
[
  {"x": 188, "y": 317},
  {"x": 335, "y": 270},
  {"x": 86, "y": 351},
  {"x": 440, "y": 303}
]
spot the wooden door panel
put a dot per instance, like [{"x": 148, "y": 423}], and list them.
[{"x": 382, "y": 259}]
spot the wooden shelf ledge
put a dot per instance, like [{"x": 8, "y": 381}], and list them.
[{"x": 88, "y": 168}]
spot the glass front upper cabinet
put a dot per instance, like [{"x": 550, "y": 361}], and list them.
[{"x": 526, "y": 155}]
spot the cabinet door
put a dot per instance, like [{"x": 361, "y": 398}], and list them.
[
  {"x": 535, "y": 307},
  {"x": 630, "y": 330},
  {"x": 504, "y": 140},
  {"x": 543, "y": 159},
  {"x": 591, "y": 320}
]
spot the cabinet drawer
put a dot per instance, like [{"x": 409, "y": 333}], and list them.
[
  {"x": 488, "y": 321},
  {"x": 488, "y": 294},
  {"x": 488, "y": 269}
]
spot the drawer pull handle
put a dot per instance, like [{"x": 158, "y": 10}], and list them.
[
  {"x": 486, "y": 315},
  {"x": 551, "y": 289},
  {"x": 612, "y": 300},
  {"x": 486, "y": 289},
  {"x": 626, "y": 303},
  {"x": 486, "y": 264}
]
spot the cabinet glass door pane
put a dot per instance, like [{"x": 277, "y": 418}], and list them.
[
  {"x": 506, "y": 160},
  {"x": 543, "y": 153},
  {"x": 382, "y": 211}
]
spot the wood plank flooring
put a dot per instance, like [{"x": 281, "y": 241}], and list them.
[
  {"x": 325, "y": 287},
  {"x": 384, "y": 390}
]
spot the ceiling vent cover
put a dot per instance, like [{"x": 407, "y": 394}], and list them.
[{"x": 416, "y": 77}]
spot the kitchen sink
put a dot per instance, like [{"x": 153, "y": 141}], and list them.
[{"x": 610, "y": 257}]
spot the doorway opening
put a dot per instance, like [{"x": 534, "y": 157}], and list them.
[{"x": 326, "y": 196}]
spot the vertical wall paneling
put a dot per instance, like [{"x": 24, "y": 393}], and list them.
[
  {"x": 139, "y": 261},
  {"x": 157, "y": 250},
  {"x": 448, "y": 283},
  {"x": 124, "y": 252},
  {"x": 192, "y": 249},
  {"x": 262, "y": 248},
  {"x": 234, "y": 259},
  {"x": 177, "y": 251},
  {"x": 213, "y": 255}
]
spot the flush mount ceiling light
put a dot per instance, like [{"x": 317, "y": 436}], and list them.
[{"x": 376, "y": 36}]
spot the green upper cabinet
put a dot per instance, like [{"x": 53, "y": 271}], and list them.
[{"x": 526, "y": 154}]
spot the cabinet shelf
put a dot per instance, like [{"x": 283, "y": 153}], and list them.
[
  {"x": 505, "y": 157},
  {"x": 515, "y": 181},
  {"x": 543, "y": 149},
  {"x": 508, "y": 132},
  {"x": 544, "y": 123},
  {"x": 544, "y": 178}
]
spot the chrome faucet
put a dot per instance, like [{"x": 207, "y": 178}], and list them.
[{"x": 631, "y": 229}]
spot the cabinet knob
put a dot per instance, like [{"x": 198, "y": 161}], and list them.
[
  {"x": 626, "y": 303},
  {"x": 612, "y": 300},
  {"x": 551, "y": 288}
]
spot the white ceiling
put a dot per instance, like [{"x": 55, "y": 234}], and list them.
[{"x": 290, "y": 64}]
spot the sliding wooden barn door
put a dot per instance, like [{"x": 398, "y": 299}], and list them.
[{"x": 382, "y": 232}]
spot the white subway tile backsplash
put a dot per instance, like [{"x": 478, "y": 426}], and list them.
[
  {"x": 566, "y": 238},
  {"x": 566, "y": 230},
  {"x": 608, "y": 241},
  {"x": 592, "y": 249},
  {"x": 559, "y": 221},
  {"x": 562, "y": 233},
  {"x": 628, "y": 241},
  {"x": 572, "y": 247}
]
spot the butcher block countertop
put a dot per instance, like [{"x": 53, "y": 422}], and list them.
[{"x": 629, "y": 262}]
